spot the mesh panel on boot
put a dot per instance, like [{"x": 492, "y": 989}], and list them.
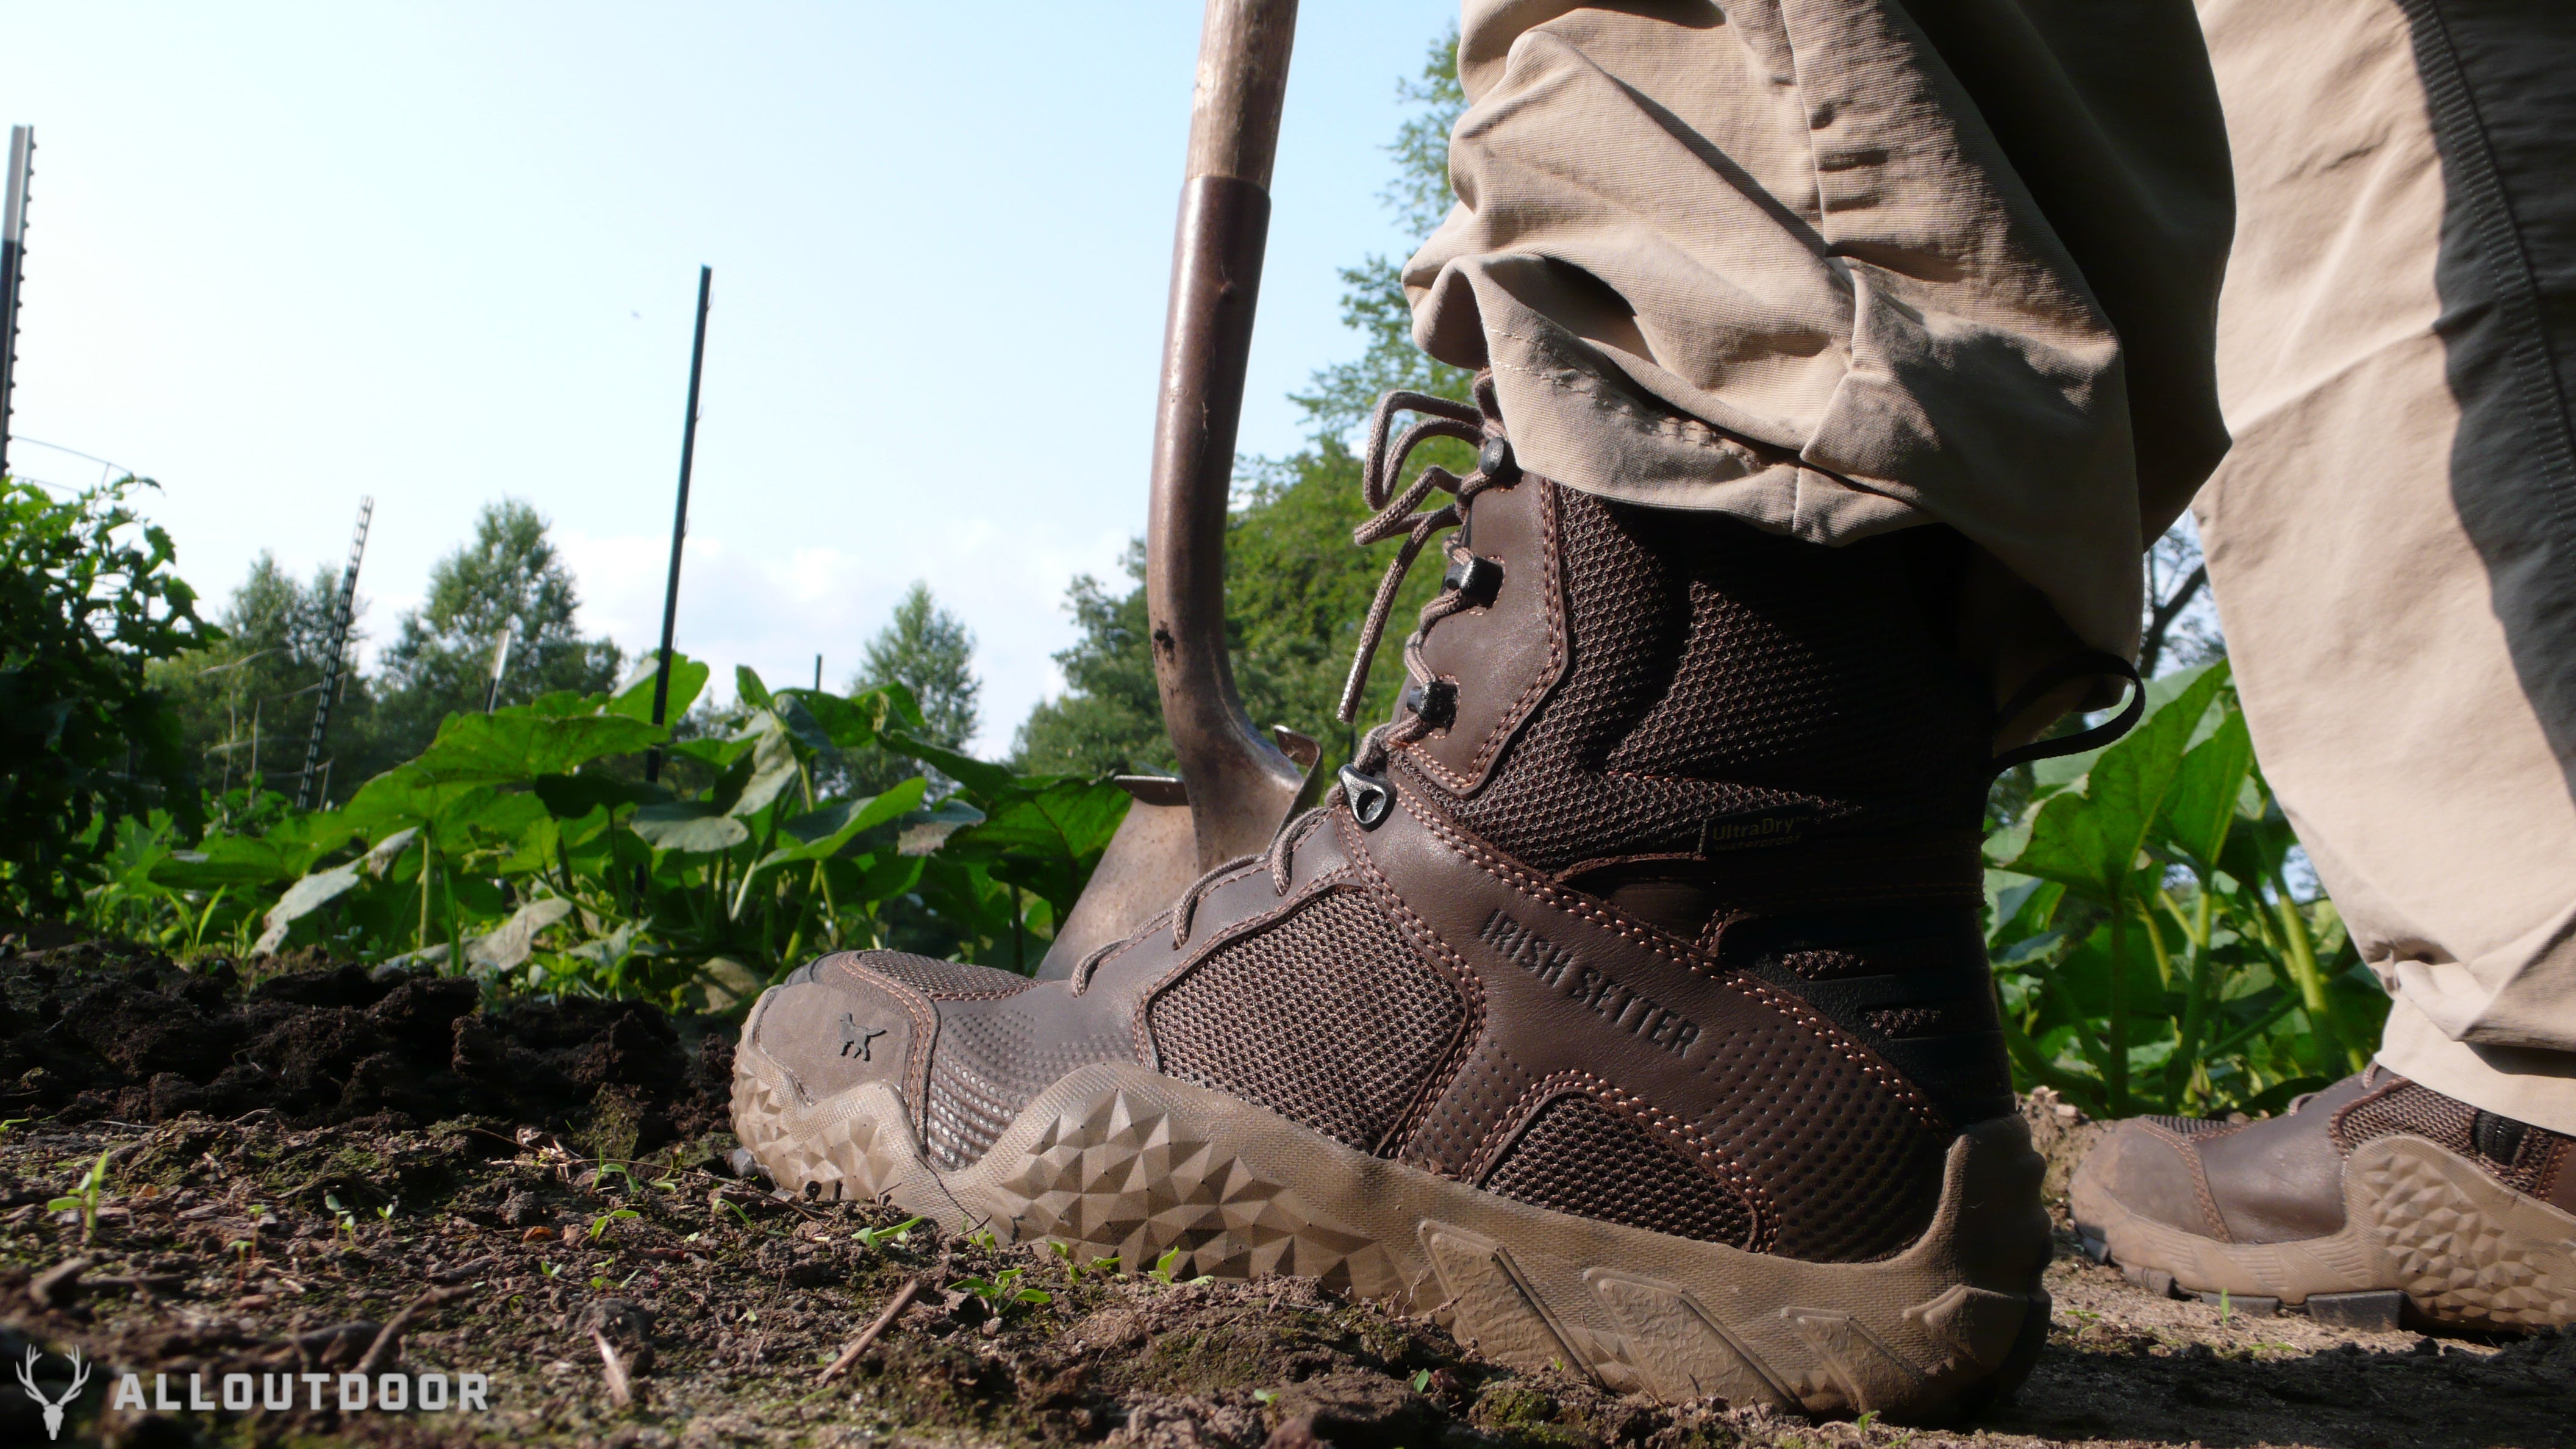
[
  {"x": 1579, "y": 1157},
  {"x": 1326, "y": 1017},
  {"x": 944, "y": 980},
  {"x": 989, "y": 1059},
  {"x": 1718, "y": 670},
  {"x": 2415, "y": 1110}
]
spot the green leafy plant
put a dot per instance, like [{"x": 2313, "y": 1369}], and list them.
[
  {"x": 1166, "y": 1265},
  {"x": 1075, "y": 1267},
  {"x": 601, "y": 1223},
  {"x": 2151, "y": 950},
  {"x": 84, "y": 1196},
  {"x": 521, "y": 849},
  {"x": 1003, "y": 1289},
  {"x": 875, "y": 1238},
  {"x": 87, "y": 600},
  {"x": 1421, "y": 1381}
]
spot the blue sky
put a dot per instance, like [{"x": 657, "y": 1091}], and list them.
[{"x": 280, "y": 256}]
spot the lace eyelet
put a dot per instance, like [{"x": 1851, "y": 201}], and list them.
[
  {"x": 1474, "y": 578},
  {"x": 1495, "y": 461},
  {"x": 1434, "y": 701},
  {"x": 1372, "y": 799}
]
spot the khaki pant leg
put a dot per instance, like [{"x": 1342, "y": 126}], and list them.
[
  {"x": 2391, "y": 538},
  {"x": 1838, "y": 267}
]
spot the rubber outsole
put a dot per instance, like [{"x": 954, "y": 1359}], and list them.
[
  {"x": 2465, "y": 1250},
  {"x": 1115, "y": 1160}
]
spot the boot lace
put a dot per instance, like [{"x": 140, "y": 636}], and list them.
[
  {"x": 1397, "y": 514},
  {"x": 1401, "y": 514}
]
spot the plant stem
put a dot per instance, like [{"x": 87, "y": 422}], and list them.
[
  {"x": 2302, "y": 958},
  {"x": 428, "y": 859},
  {"x": 2186, "y": 1060},
  {"x": 2116, "y": 1042},
  {"x": 2156, "y": 942}
]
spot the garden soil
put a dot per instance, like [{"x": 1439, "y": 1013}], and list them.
[{"x": 326, "y": 1171}]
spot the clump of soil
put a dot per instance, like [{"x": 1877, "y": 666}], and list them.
[{"x": 90, "y": 1034}]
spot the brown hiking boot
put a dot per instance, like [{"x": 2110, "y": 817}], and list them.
[
  {"x": 1627, "y": 1007},
  {"x": 2375, "y": 1200}
]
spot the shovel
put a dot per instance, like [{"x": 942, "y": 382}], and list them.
[{"x": 1236, "y": 784}]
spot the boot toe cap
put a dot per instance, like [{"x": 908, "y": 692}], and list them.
[
  {"x": 2140, "y": 1169},
  {"x": 830, "y": 1028}
]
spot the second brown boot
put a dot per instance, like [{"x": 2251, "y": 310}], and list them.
[
  {"x": 2374, "y": 1203},
  {"x": 1627, "y": 1007}
]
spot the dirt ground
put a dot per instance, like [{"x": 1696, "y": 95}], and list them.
[{"x": 322, "y": 1173}]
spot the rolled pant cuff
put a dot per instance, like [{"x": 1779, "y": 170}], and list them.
[{"x": 2525, "y": 1083}]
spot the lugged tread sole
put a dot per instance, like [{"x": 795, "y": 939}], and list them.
[
  {"x": 1115, "y": 1160},
  {"x": 2464, "y": 1249}
]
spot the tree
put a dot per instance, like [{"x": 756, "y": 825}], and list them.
[
  {"x": 508, "y": 578},
  {"x": 1109, "y": 720},
  {"x": 1296, "y": 591},
  {"x": 931, "y": 652},
  {"x": 246, "y": 705}
]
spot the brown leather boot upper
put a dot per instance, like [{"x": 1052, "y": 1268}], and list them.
[
  {"x": 2280, "y": 1179},
  {"x": 1656, "y": 903}
]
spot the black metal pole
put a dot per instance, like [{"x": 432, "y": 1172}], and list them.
[
  {"x": 679, "y": 524},
  {"x": 13, "y": 265}
]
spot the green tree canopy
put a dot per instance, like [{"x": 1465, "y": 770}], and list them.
[
  {"x": 929, "y": 651},
  {"x": 507, "y": 578},
  {"x": 246, "y": 705}
]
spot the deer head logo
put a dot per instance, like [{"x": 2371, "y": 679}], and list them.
[{"x": 53, "y": 1407}]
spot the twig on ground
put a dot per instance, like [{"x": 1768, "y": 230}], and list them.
[
  {"x": 619, "y": 1392},
  {"x": 902, "y": 1300},
  {"x": 389, "y": 1338},
  {"x": 62, "y": 1275}
]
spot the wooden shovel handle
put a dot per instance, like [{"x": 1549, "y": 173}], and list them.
[{"x": 1239, "y": 783}]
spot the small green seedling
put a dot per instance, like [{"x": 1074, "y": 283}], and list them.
[
  {"x": 386, "y": 1213},
  {"x": 1866, "y": 1418},
  {"x": 1165, "y": 1265},
  {"x": 982, "y": 1238},
  {"x": 84, "y": 1196},
  {"x": 1421, "y": 1381},
  {"x": 599, "y": 1224},
  {"x": 553, "y": 1270},
  {"x": 747, "y": 1224},
  {"x": 347, "y": 1220},
  {"x": 1265, "y": 1396},
  {"x": 2226, "y": 1308},
  {"x": 875, "y": 1238},
  {"x": 1075, "y": 1267},
  {"x": 1003, "y": 1289},
  {"x": 599, "y": 1175},
  {"x": 13, "y": 1122}
]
